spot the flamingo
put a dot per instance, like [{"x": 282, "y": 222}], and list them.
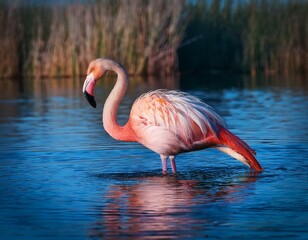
[{"x": 167, "y": 122}]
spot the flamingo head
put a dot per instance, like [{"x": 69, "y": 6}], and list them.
[{"x": 96, "y": 70}]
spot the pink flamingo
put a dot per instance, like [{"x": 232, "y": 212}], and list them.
[{"x": 167, "y": 122}]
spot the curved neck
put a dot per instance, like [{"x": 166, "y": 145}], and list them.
[{"x": 109, "y": 117}]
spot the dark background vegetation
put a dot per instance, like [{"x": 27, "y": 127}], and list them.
[{"x": 44, "y": 39}]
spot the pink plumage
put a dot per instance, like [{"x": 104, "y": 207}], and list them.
[
  {"x": 167, "y": 122},
  {"x": 171, "y": 122}
]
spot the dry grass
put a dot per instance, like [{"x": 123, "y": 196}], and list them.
[
  {"x": 135, "y": 32},
  {"x": 60, "y": 40}
]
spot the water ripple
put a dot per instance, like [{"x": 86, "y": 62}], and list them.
[{"x": 63, "y": 177}]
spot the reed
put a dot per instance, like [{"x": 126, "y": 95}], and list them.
[
  {"x": 152, "y": 37},
  {"x": 248, "y": 36},
  {"x": 58, "y": 40},
  {"x": 9, "y": 45}
]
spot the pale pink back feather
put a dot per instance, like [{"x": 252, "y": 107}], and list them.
[{"x": 169, "y": 122}]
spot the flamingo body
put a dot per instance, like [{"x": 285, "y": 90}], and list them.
[
  {"x": 171, "y": 122},
  {"x": 167, "y": 122}
]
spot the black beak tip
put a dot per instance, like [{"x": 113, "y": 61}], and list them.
[{"x": 90, "y": 99}]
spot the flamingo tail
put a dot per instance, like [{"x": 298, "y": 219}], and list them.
[{"x": 237, "y": 148}]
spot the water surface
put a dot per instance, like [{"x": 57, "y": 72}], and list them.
[{"x": 63, "y": 177}]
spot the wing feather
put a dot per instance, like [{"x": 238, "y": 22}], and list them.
[{"x": 185, "y": 116}]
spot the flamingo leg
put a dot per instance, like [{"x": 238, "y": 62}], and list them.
[
  {"x": 164, "y": 163},
  {"x": 173, "y": 165}
]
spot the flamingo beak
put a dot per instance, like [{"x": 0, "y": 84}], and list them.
[{"x": 88, "y": 89}]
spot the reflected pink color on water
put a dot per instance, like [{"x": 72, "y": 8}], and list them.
[{"x": 160, "y": 206}]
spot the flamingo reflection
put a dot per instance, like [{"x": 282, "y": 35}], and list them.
[{"x": 163, "y": 207}]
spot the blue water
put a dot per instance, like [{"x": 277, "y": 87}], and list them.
[{"x": 63, "y": 177}]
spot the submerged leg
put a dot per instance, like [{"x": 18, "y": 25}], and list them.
[
  {"x": 173, "y": 166},
  {"x": 164, "y": 163}
]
